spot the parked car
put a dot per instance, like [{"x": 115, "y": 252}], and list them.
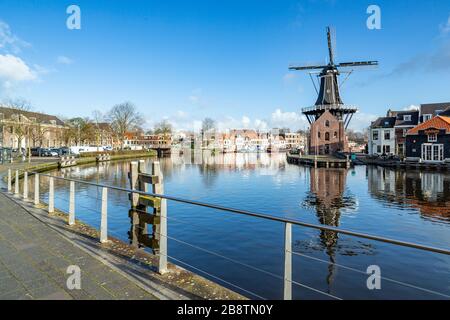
[
  {"x": 36, "y": 152},
  {"x": 49, "y": 153}
]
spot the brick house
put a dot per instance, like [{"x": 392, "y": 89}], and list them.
[
  {"x": 429, "y": 141},
  {"x": 327, "y": 135}
]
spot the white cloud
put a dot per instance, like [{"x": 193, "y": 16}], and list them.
[
  {"x": 293, "y": 120},
  {"x": 64, "y": 60},
  {"x": 14, "y": 70},
  {"x": 361, "y": 121},
  {"x": 9, "y": 41},
  {"x": 411, "y": 108}
]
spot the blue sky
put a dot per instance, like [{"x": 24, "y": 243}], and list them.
[{"x": 185, "y": 60}]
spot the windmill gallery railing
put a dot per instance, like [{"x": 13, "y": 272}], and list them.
[{"x": 141, "y": 199}]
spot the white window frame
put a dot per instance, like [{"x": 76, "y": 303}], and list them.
[
  {"x": 435, "y": 139},
  {"x": 427, "y": 117},
  {"x": 407, "y": 117}
]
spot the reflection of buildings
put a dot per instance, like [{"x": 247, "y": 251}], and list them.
[
  {"x": 327, "y": 188},
  {"x": 429, "y": 192}
]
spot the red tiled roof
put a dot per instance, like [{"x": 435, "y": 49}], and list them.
[{"x": 439, "y": 122}]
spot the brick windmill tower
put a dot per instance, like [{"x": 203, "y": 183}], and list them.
[{"x": 329, "y": 117}]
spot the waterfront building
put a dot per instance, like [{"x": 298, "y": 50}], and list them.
[
  {"x": 429, "y": 141},
  {"x": 431, "y": 110},
  {"x": 294, "y": 140},
  {"x": 138, "y": 140},
  {"x": 23, "y": 129},
  {"x": 404, "y": 121},
  {"x": 382, "y": 136}
]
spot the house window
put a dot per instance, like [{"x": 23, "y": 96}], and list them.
[
  {"x": 375, "y": 135},
  {"x": 387, "y": 135},
  {"x": 432, "y": 137},
  {"x": 378, "y": 149},
  {"x": 327, "y": 123},
  {"x": 407, "y": 118},
  {"x": 335, "y": 134},
  {"x": 427, "y": 117},
  {"x": 327, "y": 136},
  {"x": 318, "y": 134}
]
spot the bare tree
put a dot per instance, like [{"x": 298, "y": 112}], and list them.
[
  {"x": 18, "y": 104},
  {"x": 98, "y": 118},
  {"x": 124, "y": 118},
  {"x": 164, "y": 127},
  {"x": 208, "y": 126}
]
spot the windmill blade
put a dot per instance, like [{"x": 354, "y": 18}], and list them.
[
  {"x": 358, "y": 64},
  {"x": 331, "y": 37},
  {"x": 312, "y": 67}
]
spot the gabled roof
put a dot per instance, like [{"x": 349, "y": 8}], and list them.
[
  {"x": 41, "y": 117},
  {"x": 439, "y": 122},
  {"x": 384, "y": 122},
  {"x": 431, "y": 108},
  {"x": 399, "y": 121}
]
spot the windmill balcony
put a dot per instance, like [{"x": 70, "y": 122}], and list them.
[{"x": 330, "y": 107}]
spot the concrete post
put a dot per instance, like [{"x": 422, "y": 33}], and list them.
[
  {"x": 104, "y": 216},
  {"x": 72, "y": 204},
  {"x": 9, "y": 180},
  {"x": 25, "y": 185},
  {"x": 36, "y": 189},
  {"x": 287, "y": 261},
  {"x": 51, "y": 196},
  {"x": 16, "y": 184}
]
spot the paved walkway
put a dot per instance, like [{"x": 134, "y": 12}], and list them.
[{"x": 34, "y": 259}]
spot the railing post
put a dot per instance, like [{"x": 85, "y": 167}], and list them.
[
  {"x": 36, "y": 189},
  {"x": 159, "y": 189},
  {"x": 72, "y": 204},
  {"x": 25, "y": 185},
  {"x": 51, "y": 196},
  {"x": 16, "y": 184},
  {"x": 9, "y": 180},
  {"x": 287, "y": 261},
  {"x": 104, "y": 218}
]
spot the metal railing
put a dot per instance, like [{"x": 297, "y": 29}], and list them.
[{"x": 163, "y": 253}]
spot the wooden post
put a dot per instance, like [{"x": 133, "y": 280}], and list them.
[
  {"x": 287, "y": 261},
  {"x": 51, "y": 195},
  {"x": 104, "y": 218},
  {"x": 36, "y": 189},
  {"x": 9, "y": 181},
  {"x": 158, "y": 188},
  {"x": 16, "y": 184},
  {"x": 72, "y": 204},
  {"x": 25, "y": 185}
]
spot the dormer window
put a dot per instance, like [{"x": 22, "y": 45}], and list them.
[
  {"x": 407, "y": 117},
  {"x": 432, "y": 137},
  {"x": 427, "y": 117}
]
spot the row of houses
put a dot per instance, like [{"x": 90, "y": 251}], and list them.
[{"x": 421, "y": 134}]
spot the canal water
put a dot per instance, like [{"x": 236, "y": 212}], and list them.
[{"x": 246, "y": 253}]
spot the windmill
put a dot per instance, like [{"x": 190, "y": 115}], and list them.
[{"x": 329, "y": 97}]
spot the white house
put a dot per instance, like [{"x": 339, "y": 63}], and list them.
[{"x": 382, "y": 136}]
